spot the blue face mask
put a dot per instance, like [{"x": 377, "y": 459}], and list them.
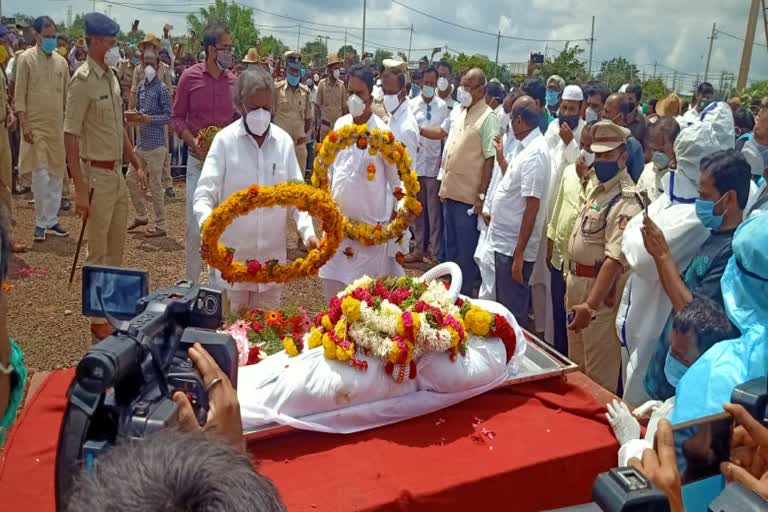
[
  {"x": 674, "y": 370},
  {"x": 605, "y": 169},
  {"x": 293, "y": 80},
  {"x": 303, "y": 72},
  {"x": 48, "y": 45},
  {"x": 553, "y": 98},
  {"x": 705, "y": 211}
]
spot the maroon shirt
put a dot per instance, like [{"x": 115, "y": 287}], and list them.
[{"x": 202, "y": 100}]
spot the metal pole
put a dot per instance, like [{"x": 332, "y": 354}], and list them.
[
  {"x": 298, "y": 40},
  {"x": 365, "y": 8},
  {"x": 410, "y": 44},
  {"x": 345, "y": 45},
  {"x": 765, "y": 22},
  {"x": 709, "y": 53},
  {"x": 496, "y": 63},
  {"x": 591, "y": 45},
  {"x": 654, "y": 68},
  {"x": 94, "y": 6},
  {"x": 749, "y": 41}
]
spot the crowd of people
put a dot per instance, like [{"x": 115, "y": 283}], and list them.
[{"x": 630, "y": 227}]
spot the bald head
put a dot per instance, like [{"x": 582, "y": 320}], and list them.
[
  {"x": 474, "y": 82},
  {"x": 525, "y": 116}
]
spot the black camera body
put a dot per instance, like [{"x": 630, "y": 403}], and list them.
[{"x": 123, "y": 386}]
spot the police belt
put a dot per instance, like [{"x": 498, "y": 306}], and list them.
[
  {"x": 589, "y": 271},
  {"x": 325, "y": 123}
]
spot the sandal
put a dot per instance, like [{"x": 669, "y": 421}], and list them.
[
  {"x": 137, "y": 223},
  {"x": 155, "y": 233}
]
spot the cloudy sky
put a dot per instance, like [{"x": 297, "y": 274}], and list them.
[{"x": 671, "y": 33}]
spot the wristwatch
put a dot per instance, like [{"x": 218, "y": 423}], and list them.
[{"x": 481, "y": 197}]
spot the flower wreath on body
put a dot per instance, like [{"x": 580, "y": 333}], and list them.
[
  {"x": 317, "y": 203},
  {"x": 375, "y": 141}
]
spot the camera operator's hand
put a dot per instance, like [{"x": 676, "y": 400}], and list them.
[
  {"x": 749, "y": 452},
  {"x": 224, "y": 409},
  {"x": 661, "y": 468}
]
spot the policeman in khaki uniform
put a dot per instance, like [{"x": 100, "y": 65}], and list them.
[
  {"x": 96, "y": 144},
  {"x": 291, "y": 108},
  {"x": 598, "y": 268},
  {"x": 331, "y": 98}
]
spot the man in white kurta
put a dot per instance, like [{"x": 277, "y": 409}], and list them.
[
  {"x": 237, "y": 159},
  {"x": 358, "y": 198},
  {"x": 42, "y": 77},
  {"x": 563, "y": 137}
]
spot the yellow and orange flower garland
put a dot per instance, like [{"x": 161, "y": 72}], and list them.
[
  {"x": 375, "y": 141},
  {"x": 317, "y": 203}
]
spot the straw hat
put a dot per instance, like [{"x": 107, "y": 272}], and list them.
[
  {"x": 150, "y": 39},
  {"x": 334, "y": 59},
  {"x": 252, "y": 57},
  {"x": 668, "y": 106}
]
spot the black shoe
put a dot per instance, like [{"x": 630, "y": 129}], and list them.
[
  {"x": 65, "y": 204},
  {"x": 21, "y": 190},
  {"x": 170, "y": 193},
  {"x": 57, "y": 230}
]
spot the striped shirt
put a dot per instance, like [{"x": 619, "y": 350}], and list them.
[{"x": 155, "y": 101}]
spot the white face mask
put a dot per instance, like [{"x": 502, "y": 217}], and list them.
[
  {"x": 149, "y": 73},
  {"x": 391, "y": 102},
  {"x": 591, "y": 115},
  {"x": 112, "y": 57},
  {"x": 316, "y": 78},
  {"x": 356, "y": 105},
  {"x": 336, "y": 73},
  {"x": 442, "y": 84},
  {"x": 589, "y": 158},
  {"x": 258, "y": 121},
  {"x": 464, "y": 97}
]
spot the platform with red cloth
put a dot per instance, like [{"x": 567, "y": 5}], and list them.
[{"x": 521, "y": 447}]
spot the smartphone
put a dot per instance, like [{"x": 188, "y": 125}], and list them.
[
  {"x": 701, "y": 445},
  {"x": 642, "y": 196},
  {"x": 537, "y": 58}
]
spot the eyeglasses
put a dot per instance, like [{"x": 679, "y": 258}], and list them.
[{"x": 429, "y": 112}]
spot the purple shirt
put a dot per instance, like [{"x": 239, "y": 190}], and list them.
[{"x": 202, "y": 100}]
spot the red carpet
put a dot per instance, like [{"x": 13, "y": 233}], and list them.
[{"x": 549, "y": 442}]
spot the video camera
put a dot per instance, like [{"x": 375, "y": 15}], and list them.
[{"x": 123, "y": 386}]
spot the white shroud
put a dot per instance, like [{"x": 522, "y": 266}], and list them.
[{"x": 311, "y": 392}]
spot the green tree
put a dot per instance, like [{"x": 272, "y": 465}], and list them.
[
  {"x": 347, "y": 51},
  {"x": 380, "y": 55},
  {"x": 655, "y": 88},
  {"x": 758, "y": 89},
  {"x": 618, "y": 71},
  {"x": 567, "y": 64},
  {"x": 463, "y": 62},
  {"x": 77, "y": 29},
  {"x": 270, "y": 46},
  {"x": 314, "y": 52},
  {"x": 237, "y": 18}
]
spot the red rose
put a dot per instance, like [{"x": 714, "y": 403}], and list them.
[{"x": 334, "y": 311}]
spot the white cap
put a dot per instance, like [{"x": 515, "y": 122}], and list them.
[
  {"x": 623, "y": 88},
  {"x": 573, "y": 93},
  {"x": 394, "y": 63}
]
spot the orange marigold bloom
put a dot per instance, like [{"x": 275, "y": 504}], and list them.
[
  {"x": 273, "y": 318},
  {"x": 362, "y": 142}
]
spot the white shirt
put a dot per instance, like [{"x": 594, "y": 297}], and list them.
[
  {"x": 561, "y": 156},
  {"x": 365, "y": 201},
  {"x": 403, "y": 125},
  {"x": 527, "y": 176},
  {"x": 650, "y": 181},
  {"x": 453, "y": 116},
  {"x": 426, "y": 161},
  {"x": 234, "y": 162},
  {"x": 503, "y": 119}
]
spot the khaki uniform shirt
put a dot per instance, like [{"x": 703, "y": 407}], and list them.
[
  {"x": 291, "y": 108},
  {"x": 3, "y": 98},
  {"x": 599, "y": 227},
  {"x": 125, "y": 70},
  {"x": 95, "y": 112},
  {"x": 332, "y": 100},
  {"x": 163, "y": 74},
  {"x": 41, "y": 92}
]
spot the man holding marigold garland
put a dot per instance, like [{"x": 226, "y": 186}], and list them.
[
  {"x": 362, "y": 186},
  {"x": 250, "y": 151}
]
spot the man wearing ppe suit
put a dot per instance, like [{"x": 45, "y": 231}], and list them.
[
  {"x": 644, "y": 305},
  {"x": 755, "y": 150},
  {"x": 695, "y": 329},
  {"x": 723, "y": 190},
  {"x": 597, "y": 264},
  {"x": 708, "y": 384}
]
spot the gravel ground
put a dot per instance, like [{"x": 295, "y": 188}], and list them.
[{"x": 45, "y": 316}]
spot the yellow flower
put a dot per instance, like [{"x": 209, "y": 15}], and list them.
[
  {"x": 290, "y": 346},
  {"x": 478, "y": 321},
  {"x": 351, "y": 308},
  {"x": 329, "y": 347},
  {"x": 315, "y": 338},
  {"x": 454, "y": 337},
  {"x": 341, "y": 329}
]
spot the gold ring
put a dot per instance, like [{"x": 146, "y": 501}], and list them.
[{"x": 210, "y": 386}]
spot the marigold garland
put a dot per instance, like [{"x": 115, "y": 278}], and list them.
[
  {"x": 374, "y": 141},
  {"x": 317, "y": 203}
]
